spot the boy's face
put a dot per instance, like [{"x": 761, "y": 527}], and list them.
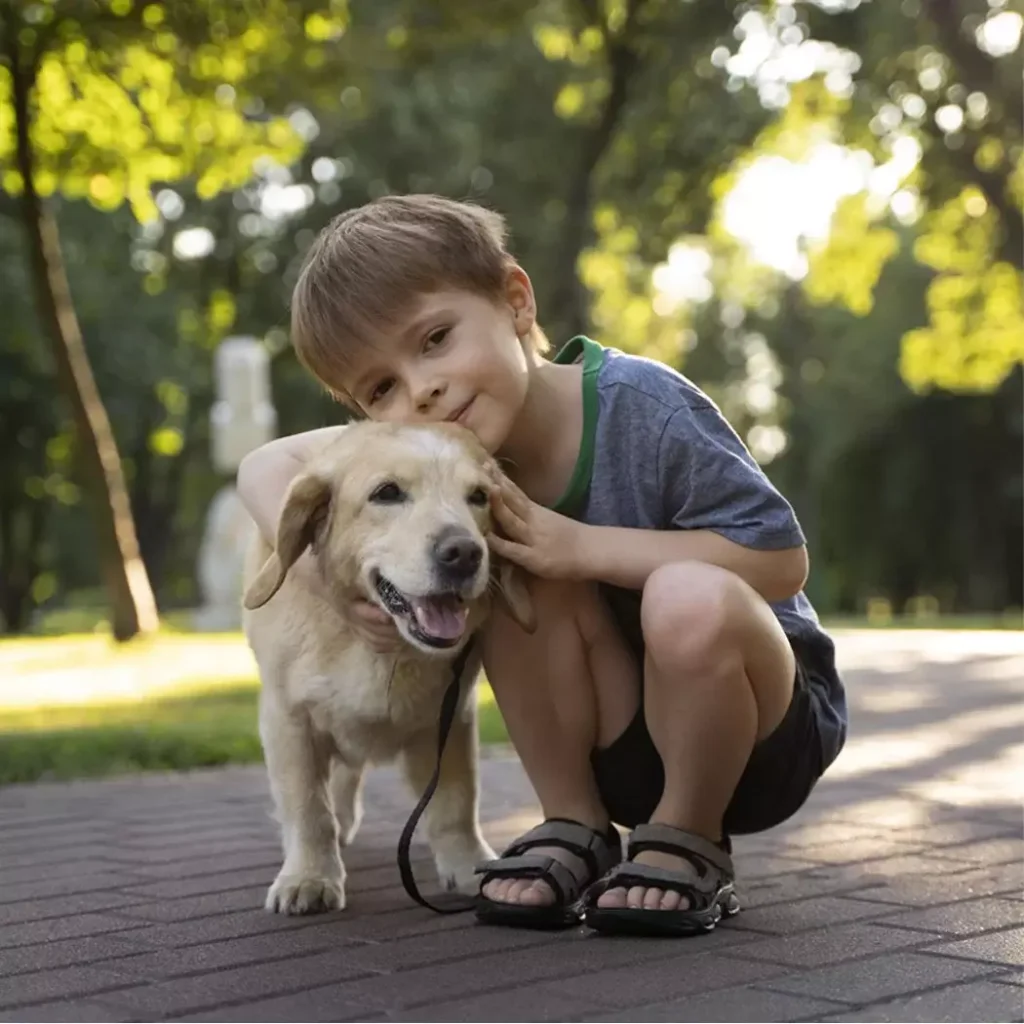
[{"x": 458, "y": 356}]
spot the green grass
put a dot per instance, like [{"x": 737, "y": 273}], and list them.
[
  {"x": 198, "y": 729},
  {"x": 1012, "y": 618},
  {"x": 78, "y": 705},
  {"x": 191, "y": 730}
]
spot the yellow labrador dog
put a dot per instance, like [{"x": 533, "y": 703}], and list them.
[{"x": 398, "y": 515}]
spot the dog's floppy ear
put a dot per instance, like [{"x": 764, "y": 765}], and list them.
[
  {"x": 302, "y": 519},
  {"x": 514, "y": 591}
]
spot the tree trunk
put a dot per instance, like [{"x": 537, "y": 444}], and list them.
[
  {"x": 133, "y": 607},
  {"x": 19, "y": 563},
  {"x": 565, "y": 300}
]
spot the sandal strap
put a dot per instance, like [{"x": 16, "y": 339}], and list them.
[
  {"x": 563, "y": 880},
  {"x": 629, "y": 873},
  {"x": 594, "y": 853},
  {"x": 592, "y": 847},
  {"x": 679, "y": 843}
]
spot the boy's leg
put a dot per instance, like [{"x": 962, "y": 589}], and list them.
[
  {"x": 571, "y": 686},
  {"x": 718, "y": 678}
]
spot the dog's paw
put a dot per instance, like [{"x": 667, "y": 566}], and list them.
[
  {"x": 305, "y": 894},
  {"x": 457, "y": 863}
]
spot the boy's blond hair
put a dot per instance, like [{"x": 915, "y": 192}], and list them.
[{"x": 370, "y": 264}]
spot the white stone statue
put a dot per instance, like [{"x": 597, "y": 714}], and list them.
[{"x": 242, "y": 418}]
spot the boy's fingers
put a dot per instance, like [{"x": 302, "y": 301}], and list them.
[
  {"x": 368, "y": 613},
  {"x": 370, "y": 610},
  {"x": 514, "y": 497},
  {"x": 507, "y": 519},
  {"x": 507, "y": 548}
]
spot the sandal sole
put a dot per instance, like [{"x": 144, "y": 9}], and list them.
[
  {"x": 660, "y": 923},
  {"x": 550, "y": 918}
]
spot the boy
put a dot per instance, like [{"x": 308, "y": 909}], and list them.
[{"x": 679, "y": 683}]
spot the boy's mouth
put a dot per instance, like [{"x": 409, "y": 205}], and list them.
[{"x": 459, "y": 415}]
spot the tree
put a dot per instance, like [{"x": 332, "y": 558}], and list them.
[
  {"x": 942, "y": 77},
  {"x": 104, "y": 99},
  {"x": 30, "y": 483},
  {"x": 641, "y": 109}
]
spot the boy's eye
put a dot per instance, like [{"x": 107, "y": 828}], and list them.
[
  {"x": 381, "y": 390},
  {"x": 438, "y": 337}
]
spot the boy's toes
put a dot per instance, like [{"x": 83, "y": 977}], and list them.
[
  {"x": 652, "y": 899},
  {"x": 497, "y": 889},
  {"x": 674, "y": 901},
  {"x": 534, "y": 894},
  {"x": 639, "y": 898},
  {"x": 635, "y": 897},
  {"x": 523, "y": 891},
  {"x": 614, "y": 899}
]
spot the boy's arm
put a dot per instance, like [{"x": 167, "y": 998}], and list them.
[
  {"x": 625, "y": 558},
  {"x": 265, "y": 475},
  {"x": 557, "y": 547}
]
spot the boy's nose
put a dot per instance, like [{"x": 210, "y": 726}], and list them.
[{"x": 428, "y": 396}]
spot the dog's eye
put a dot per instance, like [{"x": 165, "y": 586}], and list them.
[
  {"x": 388, "y": 493},
  {"x": 477, "y": 497}
]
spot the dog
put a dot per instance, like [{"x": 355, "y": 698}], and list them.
[{"x": 399, "y": 515}]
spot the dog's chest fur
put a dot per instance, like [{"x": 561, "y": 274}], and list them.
[{"x": 370, "y": 704}]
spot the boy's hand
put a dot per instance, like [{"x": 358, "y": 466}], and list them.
[
  {"x": 375, "y": 627},
  {"x": 541, "y": 541}
]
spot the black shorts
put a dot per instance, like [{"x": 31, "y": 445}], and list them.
[{"x": 782, "y": 770}]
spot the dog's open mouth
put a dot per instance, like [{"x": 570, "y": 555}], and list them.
[{"x": 438, "y": 620}]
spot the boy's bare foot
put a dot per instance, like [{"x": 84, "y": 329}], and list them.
[
  {"x": 639, "y": 898},
  {"x": 533, "y": 892}
]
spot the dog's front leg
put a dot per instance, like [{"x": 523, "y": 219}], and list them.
[
  {"x": 450, "y": 820},
  {"x": 312, "y": 878},
  {"x": 347, "y": 792}
]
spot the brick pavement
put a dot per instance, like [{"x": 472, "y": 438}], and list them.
[{"x": 895, "y": 894}]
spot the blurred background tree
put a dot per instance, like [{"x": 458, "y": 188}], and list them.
[{"x": 813, "y": 209}]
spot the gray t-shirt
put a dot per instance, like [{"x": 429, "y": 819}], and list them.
[{"x": 657, "y": 454}]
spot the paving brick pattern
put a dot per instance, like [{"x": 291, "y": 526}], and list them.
[{"x": 894, "y": 895}]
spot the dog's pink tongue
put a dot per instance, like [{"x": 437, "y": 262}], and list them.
[{"x": 443, "y": 617}]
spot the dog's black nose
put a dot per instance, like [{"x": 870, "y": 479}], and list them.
[{"x": 457, "y": 554}]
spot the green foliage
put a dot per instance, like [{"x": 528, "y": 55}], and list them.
[
  {"x": 250, "y": 124},
  {"x": 976, "y": 330},
  {"x": 846, "y": 269},
  {"x": 926, "y": 78},
  {"x": 124, "y": 99}
]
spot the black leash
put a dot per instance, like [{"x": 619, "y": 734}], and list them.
[{"x": 449, "y": 705}]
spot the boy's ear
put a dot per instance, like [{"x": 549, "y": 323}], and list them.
[{"x": 520, "y": 297}]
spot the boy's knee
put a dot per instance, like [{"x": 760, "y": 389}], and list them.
[{"x": 688, "y": 614}]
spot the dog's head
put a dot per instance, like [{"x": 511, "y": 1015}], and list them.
[{"x": 400, "y": 515}]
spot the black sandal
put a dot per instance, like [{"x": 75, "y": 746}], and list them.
[
  {"x": 711, "y": 896},
  {"x": 595, "y": 853}
]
